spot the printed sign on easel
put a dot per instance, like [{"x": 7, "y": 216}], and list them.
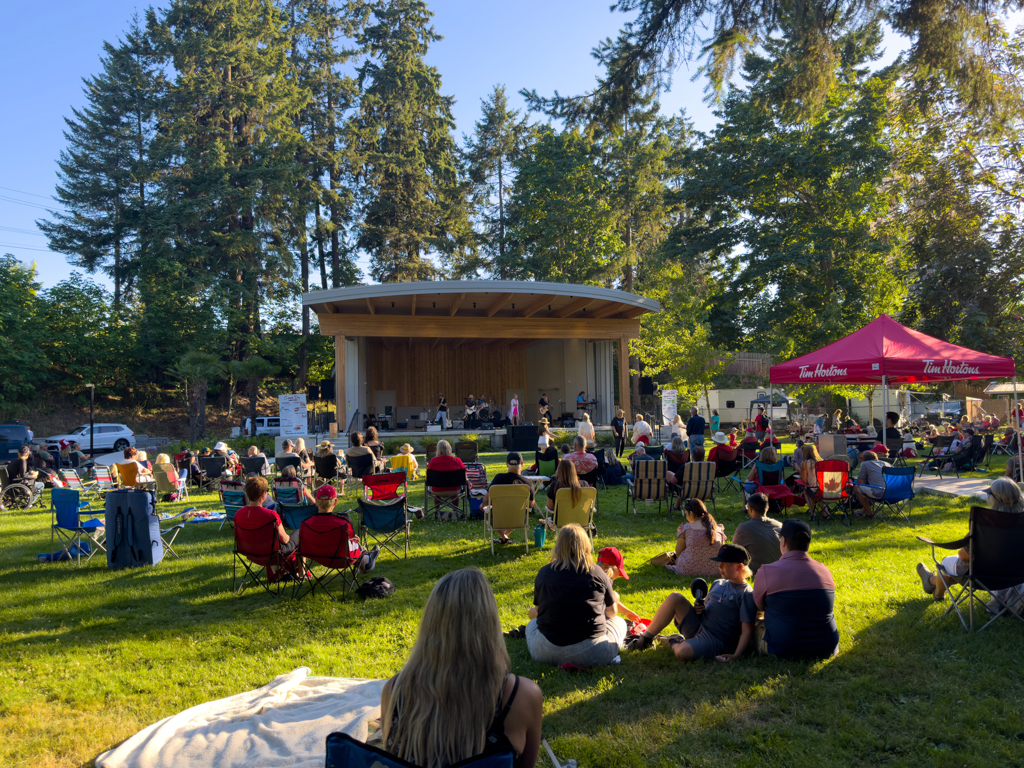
[
  {"x": 668, "y": 406},
  {"x": 294, "y": 419}
]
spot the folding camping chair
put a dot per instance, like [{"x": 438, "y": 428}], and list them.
[
  {"x": 727, "y": 461},
  {"x": 696, "y": 480},
  {"x": 383, "y": 522},
  {"x": 327, "y": 471},
  {"x": 994, "y": 542},
  {"x": 601, "y": 466},
  {"x": 104, "y": 478},
  {"x": 343, "y": 751},
  {"x": 255, "y": 465},
  {"x": 292, "y": 506},
  {"x": 258, "y": 550},
  {"x": 456, "y": 500},
  {"x": 361, "y": 466},
  {"x": 1010, "y": 449},
  {"x": 675, "y": 461},
  {"x": 328, "y": 541},
  {"x": 546, "y": 467},
  {"x": 938, "y": 447},
  {"x": 509, "y": 510},
  {"x": 897, "y": 494},
  {"x": 648, "y": 484},
  {"x": 73, "y": 481},
  {"x": 280, "y": 462},
  {"x": 894, "y": 445},
  {"x": 66, "y": 525},
  {"x": 657, "y": 451},
  {"x": 169, "y": 482},
  {"x": 232, "y": 497},
  {"x": 476, "y": 473},
  {"x": 388, "y": 487},
  {"x": 130, "y": 477},
  {"x": 748, "y": 453},
  {"x": 772, "y": 483},
  {"x": 833, "y": 492},
  {"x": 467, "y": 450},
  {"x": 214, "y": 467},
  {"x": 402, "y": 462},
  {"x": 582, "y": 513}
]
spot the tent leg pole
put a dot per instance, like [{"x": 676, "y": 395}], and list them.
[{"x": 1020, "y": 441}]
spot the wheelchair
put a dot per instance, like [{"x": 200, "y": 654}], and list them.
[{"x": 18, "y": 495}]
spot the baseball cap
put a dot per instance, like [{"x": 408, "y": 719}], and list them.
[
  {"x": 732, "y": 553},
  {"x": 612, "y": 556},
  {"x": 514, "y": 457},
  {"x": 326, "y": 492},
  {"x": 796, "y": 531}
]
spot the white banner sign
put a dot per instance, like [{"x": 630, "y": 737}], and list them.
[
  {"x": 668, "y": 406},
  {"x": 293, "y": 415}
]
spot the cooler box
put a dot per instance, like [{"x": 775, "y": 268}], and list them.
[{"x": 133, "y": 529}]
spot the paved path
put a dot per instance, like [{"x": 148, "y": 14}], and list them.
[{"x": 953, "y": 486}]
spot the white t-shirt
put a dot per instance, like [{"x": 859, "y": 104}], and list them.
[{"x": 543, "y": 442}]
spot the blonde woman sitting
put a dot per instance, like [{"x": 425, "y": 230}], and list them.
[
  {"x": 455, "y": 697},
  {"x": 574, "y": 619},
  {"x": 586, "y": 431}
]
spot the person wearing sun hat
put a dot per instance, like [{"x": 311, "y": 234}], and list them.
[
  {"x": 720, "y": 626},
  {"x": 613, "y": 564},
  {"x": 797, "y": 595},
  {"x": 326, "y": 501},
  {"x": 720, "y": 440}
]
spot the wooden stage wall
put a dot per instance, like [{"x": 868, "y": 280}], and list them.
[{"x": 418, "y": 373}]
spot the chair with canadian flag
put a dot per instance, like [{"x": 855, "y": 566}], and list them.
[{"x": 832, "y": 496}]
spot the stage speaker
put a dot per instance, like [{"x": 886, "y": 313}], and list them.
[
  {"x": 521, "y": 438},
  {"x": 327, "y": 389}
]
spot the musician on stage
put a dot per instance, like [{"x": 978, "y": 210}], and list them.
[
  {"x": 442, "y": 410},
  {"x": 581, "y": 401},
  {"x": 543, "y": 407},
  {"x": 470, "y": 417}
]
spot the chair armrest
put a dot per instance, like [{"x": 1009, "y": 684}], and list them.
[{"x": 946, "y": 545}]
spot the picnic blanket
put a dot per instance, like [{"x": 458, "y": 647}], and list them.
[{"x": 284, "y": 723}]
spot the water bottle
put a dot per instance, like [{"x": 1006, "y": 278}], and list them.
[{"x": 540, "y": 535}]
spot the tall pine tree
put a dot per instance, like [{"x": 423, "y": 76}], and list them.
[{"x": 414, "y": 202}]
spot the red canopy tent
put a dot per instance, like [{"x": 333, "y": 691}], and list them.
[{"x": 885, "y": 352}]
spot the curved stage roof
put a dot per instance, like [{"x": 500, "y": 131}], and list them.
[{"x": 481, "y": 298}]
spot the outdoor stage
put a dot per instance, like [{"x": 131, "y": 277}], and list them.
[
  {"x": 413, "y": 435},
  {"x": 398, "y": 345}
]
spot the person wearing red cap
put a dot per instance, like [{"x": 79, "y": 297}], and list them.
[
  {"x": 326, "y": 500},
  {"x": 614, "y": 565}
]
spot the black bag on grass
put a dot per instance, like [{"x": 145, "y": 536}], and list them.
[{"x": 378, "y": 586}]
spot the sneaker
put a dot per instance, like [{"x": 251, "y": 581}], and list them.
[
  {"x": 638, "y": 643},
  {"x": 673, "y": 640},
  {"x": 501, "y": 540},
  {"x": 926, "y": 576},
  {"x": 371, "y": 560}
]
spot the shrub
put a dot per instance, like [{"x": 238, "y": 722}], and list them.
[
  {"x": 428, "y": 441},
  {"x": 483, "y": 442},
  {"x": 605, "y": 438},
  {"x": 391, "y": 445},
  {"x": 264, "y": 442}
]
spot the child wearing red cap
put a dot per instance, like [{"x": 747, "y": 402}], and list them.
[
  {"x": 614, "y": 566},
  {"x": 326, "y": 500}
]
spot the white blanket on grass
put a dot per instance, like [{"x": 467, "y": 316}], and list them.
[{"x": 284, "y": 723}]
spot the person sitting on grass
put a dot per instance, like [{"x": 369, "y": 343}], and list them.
[
  {"x": 574, "y": 619},
  {"x": 1003, "y": 496},
  {"x": 613, "y": 564},
  {"x": 760, "y": 534},
  {"x": 870, "y": 482},
  {"x": 255, "y": 513},
  {"x": 797, "y": 595},
  {"x": 720, "y": 626},
  {"x": 513, "y": 475},
  {"x": 697, "y": 542},
  {"x": 326, "y": 502},
  {"x": 290, "y": 479},
  {"x": 455, "y": 697}
]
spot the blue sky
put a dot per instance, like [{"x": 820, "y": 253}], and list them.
[{"x": 540, "y": 44}]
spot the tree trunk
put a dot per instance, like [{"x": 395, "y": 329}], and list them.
[
  {"x": 202, "y": 387},
  {"x": 254, "y": 396},
  {"x": 303, "y": 347},
  {"x": 501, "y": 215},
  {"x": 320, "y": 248}
]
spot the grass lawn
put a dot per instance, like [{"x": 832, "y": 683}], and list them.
[{"x": 89, "y": 657}]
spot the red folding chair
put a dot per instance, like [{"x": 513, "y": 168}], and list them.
[
  {"x": 385, "y": 487},
  {"x": 833, "y": 492},
  {"x": 331, "y": 549},
  {"x": 258, "y": 550}
]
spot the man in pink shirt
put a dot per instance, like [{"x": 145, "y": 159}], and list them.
[{"x": 584, "y": 462}]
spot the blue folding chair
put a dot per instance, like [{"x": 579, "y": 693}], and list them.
[
  {"x": 292, "y": 507},
  {"x": 383, "y": 523},
  {"x": 897, "y": 494},
  {"x": 232, "y": 497},
  {"x": 343, "y": 751},
  {"x": 67, "y": 527}
]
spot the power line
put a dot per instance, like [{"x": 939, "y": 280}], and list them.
[
  {"x": 30, "y": 194},
  {"x": 22, "y": 202},
  {"x": 34, "y": 232},
  {"x": 27, "y": 248}
]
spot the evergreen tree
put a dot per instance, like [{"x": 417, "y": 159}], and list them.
[
  {"x": 563, "y": 220},
  {"x": 413, "y": 200},
  {"x": 491, "y": 152},
  {"x": 107, "y": 172},
  {"x": 228, "y": 132}
]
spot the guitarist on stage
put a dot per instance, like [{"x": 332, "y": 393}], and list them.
[{"x": 442, "y": 410}]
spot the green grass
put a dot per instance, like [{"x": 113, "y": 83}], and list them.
[{"x": 88, "y": 656}]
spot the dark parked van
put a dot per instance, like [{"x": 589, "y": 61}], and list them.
[{"x": 12, "y": 437}]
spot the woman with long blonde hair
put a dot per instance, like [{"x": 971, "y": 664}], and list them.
[
  {"x": 574, "y": 619},
  {"x": 455, "y": 698}
]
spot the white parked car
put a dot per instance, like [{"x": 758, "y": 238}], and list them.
[
  {"x": 267, "y": 425},
  {"x": 106, "y": 437}
]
